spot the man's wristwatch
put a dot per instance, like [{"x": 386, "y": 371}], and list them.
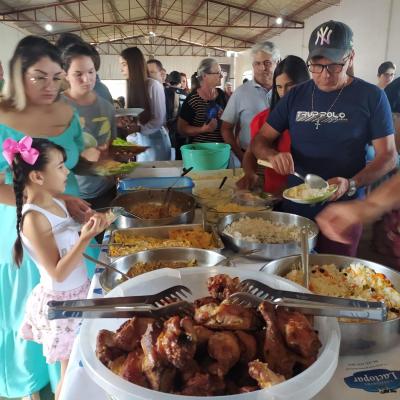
[{"x": 352, "y": 188}]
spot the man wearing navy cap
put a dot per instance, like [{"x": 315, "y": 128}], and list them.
[{"x": 331, "y": 119}]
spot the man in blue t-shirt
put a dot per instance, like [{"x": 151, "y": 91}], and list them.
[{"x": 331, "y": 119}]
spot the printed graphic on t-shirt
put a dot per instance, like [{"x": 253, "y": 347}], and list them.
[
  {"x": 320, "y": 117},
  {"x": 96, "y": 132}
]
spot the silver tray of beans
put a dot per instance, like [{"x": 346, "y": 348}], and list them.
[
  {"x": 349, "y": 276},
  {"x": 149, "y": 260},
  {"x": 274, "y": 234}
]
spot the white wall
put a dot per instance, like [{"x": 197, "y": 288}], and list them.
[
  {"x": 109, "y": 68},
  {"x": 11, "y": 36},
  {"x": 376, "y": 35}
]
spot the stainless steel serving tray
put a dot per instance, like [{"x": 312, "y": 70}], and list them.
[
  {"x": 184, "y": 201},
  {"x": 268, "y": 251},
  {"x": 162, "y": 232},
  {"x": 205, "y": 258},
  {"x": 357, "y": 338}
]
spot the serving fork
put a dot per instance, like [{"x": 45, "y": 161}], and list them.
[
  {"x": 156, "y": 305},
  {"x": 309, "y": 303}
]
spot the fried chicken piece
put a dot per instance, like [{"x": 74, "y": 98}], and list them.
[
  {"x": 223, "y": 347},
  {"x": 131, "y": 370},
  {"x": 205, "y": 300},
  {"x": 203, "y": 384},
  {"x": 226, "y": 316},
  {"x": 248, "y": 346},
  {"x": 279, "y": 358},
  {"x": 298, "y": 333},
  {"x": 128, "y": 336},
  {"x": 192, "y": 367},
  {"x": 222, "y": 286},
  {"x": 116, "y": 365},
  {"x": 177, "y": 341},
  {"x": 263, "y": 375},
  {"x": 105, "y": 347},
  {"x": 202, "y": 334},
  {"x": 159, "y": 373},
  {"x": 248, "y": 389}
]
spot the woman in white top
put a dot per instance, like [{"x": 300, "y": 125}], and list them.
[
  {"x": 144, "y": 92},
  {"x": 42, "y": 228}
]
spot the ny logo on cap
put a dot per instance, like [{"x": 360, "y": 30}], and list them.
[{"x": 324, "y": 35}]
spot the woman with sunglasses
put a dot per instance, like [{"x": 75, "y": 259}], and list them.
[
  {"x": 199, "y": 118},
  {"x": 331, "y": 119},
  {"x": 30, "y": 106}
]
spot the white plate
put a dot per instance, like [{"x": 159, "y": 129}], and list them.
[
  {"x": 128, "y": 112},
  {"x": 303, "y": 386},
  {"x": 329, "y": 192}
]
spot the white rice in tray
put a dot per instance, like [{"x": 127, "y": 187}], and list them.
[
  {"x": 355, "y": 281},
  {"x": 259, "y": 230}
]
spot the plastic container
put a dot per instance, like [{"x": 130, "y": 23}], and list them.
[
  {"x": 206, "y": 156},
  {"x": 184, "y": 184},
  {"x": 303, "y": 386},
  {"x": 217, "y": 174},
  {"x": 253, "y": 199}
]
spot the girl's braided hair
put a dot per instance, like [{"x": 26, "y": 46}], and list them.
[{"x": 21, "y": 171}]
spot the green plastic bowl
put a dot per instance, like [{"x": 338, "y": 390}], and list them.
[{"x": 206, "y": 156}]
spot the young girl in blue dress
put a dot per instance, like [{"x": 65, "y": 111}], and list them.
[{"x": 39, "y": 177}]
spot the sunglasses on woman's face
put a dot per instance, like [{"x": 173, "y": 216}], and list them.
[{"x": 41, "y": 81}]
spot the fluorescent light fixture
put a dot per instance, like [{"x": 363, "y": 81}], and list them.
[{"x": 279, "y": 20}]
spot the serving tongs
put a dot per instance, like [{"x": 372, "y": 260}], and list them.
[
  {"x": 161, "y": 305},
  {"x": 254, "y": 292}
]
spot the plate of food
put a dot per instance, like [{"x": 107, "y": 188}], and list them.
[
  {"x": 128, "y": 112},
  {"x": 303, "y": 194},
  {"x": 111, "y": 168},
  {"x": 104, "y": 167},
  {"x": 221, "y": 350},
  {"x": 123, "y": 151}
]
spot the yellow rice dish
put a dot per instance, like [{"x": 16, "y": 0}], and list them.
[
  {"x": 355, "y": 281},
  {"x": 142, "y": 267},
  {"x": 177, "y": 238}
]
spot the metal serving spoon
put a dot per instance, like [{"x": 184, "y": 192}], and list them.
[{"x": 311, "y": 180}]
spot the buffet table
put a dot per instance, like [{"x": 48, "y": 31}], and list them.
[
  {"x": 356, "y": 377},
  {"x": 366, "y": 377}
]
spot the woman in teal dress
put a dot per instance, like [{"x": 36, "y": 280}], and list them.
[{"x": 30, "y": 107}]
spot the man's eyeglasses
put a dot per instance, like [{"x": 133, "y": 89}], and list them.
[
  {"x": 265, "y": 63},
  {"x": 333, "y": 68}
]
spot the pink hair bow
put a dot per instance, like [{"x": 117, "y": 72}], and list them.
[{"x": 24, "y": 147}]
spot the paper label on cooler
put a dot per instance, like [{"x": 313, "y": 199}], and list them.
[{"x": 375, "y": 380}]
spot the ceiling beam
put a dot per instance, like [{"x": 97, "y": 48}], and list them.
[
  {"x": 237, "y": 43},
  {"x": 254, "y": 19},
  {"x": 238, "y": 16},
  {"x": 292, "y": 15}
]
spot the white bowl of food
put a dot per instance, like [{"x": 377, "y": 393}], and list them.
[{"x": 303, "y": 386}]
